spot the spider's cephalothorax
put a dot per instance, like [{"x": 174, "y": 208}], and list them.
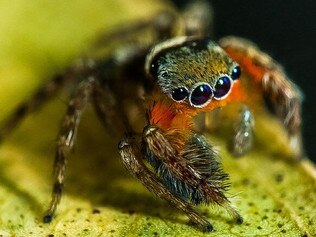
[
  {"x": 192, "y": 70},
  {"x": 172, "y": 81}
]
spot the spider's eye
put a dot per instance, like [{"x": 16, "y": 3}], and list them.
[
  {"x": 236, "y": 73},
  {"x": 222, "y": 87},
  {"x": 201, "y": 94},
  {"x": 179, "y": 94}
]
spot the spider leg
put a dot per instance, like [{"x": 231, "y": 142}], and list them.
[
  {"x": 108, "y": 110},
  {"x": 268, "y": 78},
  {"x": 112, "y": 101},
  {"x": 42, "y": 95},
  {"x": 198, "y": 19},
  {"x": 66, "y": 139},
  {"x": 243, "y": 134},
  {"x": 129, "y": 156},
  {"x": 193, "y": 173},
  {"x": 161, "y": 24}
]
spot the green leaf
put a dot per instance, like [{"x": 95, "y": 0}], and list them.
[{"x": 275, "y": 195}]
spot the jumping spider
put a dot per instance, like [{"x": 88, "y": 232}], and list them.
[{"x": 171, "y": 80}]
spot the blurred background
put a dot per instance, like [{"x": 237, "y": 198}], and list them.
[{"x": 287, "y": 31}]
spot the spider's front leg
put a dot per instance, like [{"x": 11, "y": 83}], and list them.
[
  {"x": 263, "y": 75},
  {"x": 186, "y": 167},
  {"x": 133, "y": 161}
]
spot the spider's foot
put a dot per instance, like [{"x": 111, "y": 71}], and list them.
[
  {"x": 202, "y": 224},
  {"x": 207, "y": 228},
  {"x": 239, "y": 220},
  {"x": 48, "y": 217},
  {"x": 233, "y": 213}
]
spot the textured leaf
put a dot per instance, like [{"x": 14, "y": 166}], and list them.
[{"x": 275, "y": 195}]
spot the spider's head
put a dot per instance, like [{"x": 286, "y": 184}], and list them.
[{"x": 192, "y": 70}]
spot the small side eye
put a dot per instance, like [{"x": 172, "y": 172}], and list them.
[
  {"x": 179, "y": 94},
  {"x": 236, "y": 73},
  {"x": 201, "y": 95},
  {"x": 153, "y": 69},
  {"x": 222, "y": 87}
]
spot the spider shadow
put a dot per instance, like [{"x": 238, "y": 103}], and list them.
[{"x": 35, "y": 205}]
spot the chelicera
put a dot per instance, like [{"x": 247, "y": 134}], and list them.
[{"x": 171, "y": 80}]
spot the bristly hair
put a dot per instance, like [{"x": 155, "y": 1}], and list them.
[{"x": 194, "y": 174}]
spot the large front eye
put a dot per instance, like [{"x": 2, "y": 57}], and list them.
[
  {"x": 222, "y": 87},
  {"x": 179, "y": 94},
  {"x": 200, "y": 95}
]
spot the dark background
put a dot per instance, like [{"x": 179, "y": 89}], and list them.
[{"x": 286, "y": 29}]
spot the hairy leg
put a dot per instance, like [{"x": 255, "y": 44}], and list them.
[
  {"x": 66, "y": 139},
  {"x": 267, "y": 75},
  {"x": 108, "y": 109},
  {"x": 42, "y": 95},
  {"x": 198, "y": 19},
  {"x": 161, "y": 24},
  {"x": 192, "y": 171},
  {"x": 135, "y": 165},
  {"x": 121, "y": 83}
]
